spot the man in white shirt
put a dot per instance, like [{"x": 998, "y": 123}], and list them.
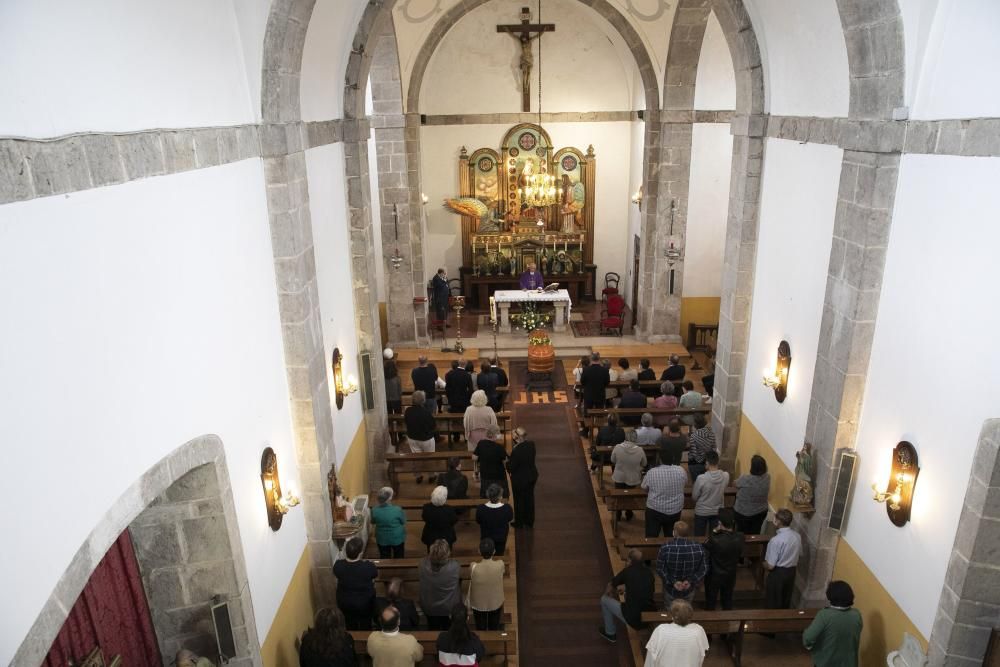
[
  {"x": 678, "y": 644},
  {"x": 780, "y": 561}
]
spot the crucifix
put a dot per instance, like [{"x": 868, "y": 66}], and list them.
[{"x": 526, "y": 32}]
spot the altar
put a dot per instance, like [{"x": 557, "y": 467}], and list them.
[{"x": 559, "y": 298}]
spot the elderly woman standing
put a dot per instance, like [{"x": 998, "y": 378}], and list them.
[
  {"x": 390, "y": 526},
  {"x": 751, "y": 497},
  {"x": 439, "y": 519},
  {"x": 667, "y": 400},
  {"x": 478, "y": 417},
  {"x": 440, "y": 586}
]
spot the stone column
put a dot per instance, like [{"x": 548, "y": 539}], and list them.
[
  {"x": 363, "y": 268},
  {"x": 301, "y": 328},
  {"x": 738, "y": 279},
  {"x": 397, "y": 146},
  {"x": 970, "y": 598},
  {"x": 854, "y": 283}
]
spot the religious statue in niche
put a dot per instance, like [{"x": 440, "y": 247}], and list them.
[
  {"x": 473, "y": 207},
  {"x": 573, "y": 196},
  {"x": 805, "y": 478}
]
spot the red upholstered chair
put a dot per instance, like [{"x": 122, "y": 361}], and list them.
[
  {"x": 611, "y": 281},
  {"x": 613, "y": 316}
]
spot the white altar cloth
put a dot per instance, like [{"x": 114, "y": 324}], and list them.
[{"x": 560, "y": 298}]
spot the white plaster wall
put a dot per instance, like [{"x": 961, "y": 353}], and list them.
[
  {"x": 922, "y": 302},
  {"x": 327, "y": 202},
  {"x": 804, "y": 56},
  {"x": 116, "y": 65},
  {"x": 652, "y": 20},
  {"x": 137, "y": 317},
  {"x": 708, "y": 209},
  {"x": 324, "y": 59},
  {"x": 251, "y": 18},
  {"x": 475, "y": 68},
  {"x": 958, "y": 76},
  {"x": 918, "y": 17},
  {"x": 715, "y": 83},
  {"x": 439, "y": 146},
  {"x": 798, "y": 203}
]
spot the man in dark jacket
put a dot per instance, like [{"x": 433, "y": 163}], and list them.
[
  {"x": 523, "y": 476},
  {"x": 674, "y": 372},
  {"x": 488, "y": 381},
  {"x": 455, "y": 481},
  {"x": 608, "y": 435},
  {"x": 672, "y": 444},
  {"x": 595, "y": 379},
  {"x": 725, "y": 548},
  {"x": 632, "y": 398},
  {"x": 424, "y": 378},
  {"x": 458, "y": 386},
  {"x": 502, "y": 380},
  {"x": 439, "y": 286}
]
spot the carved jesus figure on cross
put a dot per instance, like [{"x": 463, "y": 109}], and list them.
[{"x": 525, "y": 33}]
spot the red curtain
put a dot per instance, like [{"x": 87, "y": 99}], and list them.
[{"x": 111, "y": 612}]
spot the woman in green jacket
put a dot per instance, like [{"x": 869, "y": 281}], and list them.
[
  {"x": 833, "y": 638},
  {"x": 390, "y": 526}
]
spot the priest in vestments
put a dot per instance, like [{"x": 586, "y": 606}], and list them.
[{"x": 532, "y": 278}]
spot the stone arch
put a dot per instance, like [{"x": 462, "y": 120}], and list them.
[
  {"x": 607, "y": 10},
  {"x": 873, "y": 31},
  {"x": 204, "y": 452}
]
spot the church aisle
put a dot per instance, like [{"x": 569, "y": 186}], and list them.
[{"x": 562, "y": 563}]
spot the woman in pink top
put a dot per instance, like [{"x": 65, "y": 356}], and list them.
[{"x": 666, "y": 399}]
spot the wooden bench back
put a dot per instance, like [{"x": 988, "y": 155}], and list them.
[{"x": 496, "y": 642}]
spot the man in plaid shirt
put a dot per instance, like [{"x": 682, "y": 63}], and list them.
[
  {"x": 701, "y": 442},
  {"x": 682, "y": 564}
]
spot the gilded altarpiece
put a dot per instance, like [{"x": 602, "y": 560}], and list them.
[{"x": 558, "y": 238}]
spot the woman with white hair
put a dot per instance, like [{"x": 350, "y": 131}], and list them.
[
  {"x": 439, "y": 519},
  {"x": 390, "y": 526},
  {"x": 478, "y": 417}
]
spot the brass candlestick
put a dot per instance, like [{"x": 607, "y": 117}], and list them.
[{"x": 458, "y": 305}]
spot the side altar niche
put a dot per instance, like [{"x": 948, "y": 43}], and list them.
[{"x": 504, "y": 228}]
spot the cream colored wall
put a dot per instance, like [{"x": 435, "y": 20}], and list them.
[
  {"x": 440, "y": 147},
  {"x": 651, "y": 19},
  {"x": 583, "y": 66}
]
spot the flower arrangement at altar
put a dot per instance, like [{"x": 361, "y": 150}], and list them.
[
  {"x": 539, "y": 337},
  {"x": 531, "y": 319}
]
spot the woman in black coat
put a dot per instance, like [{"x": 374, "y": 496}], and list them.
[
  {"x": 439, "y": 519},
  {"x": 523, "y": 475}
]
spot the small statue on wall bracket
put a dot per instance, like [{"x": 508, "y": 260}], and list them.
[{"x": 803, "y": 492}]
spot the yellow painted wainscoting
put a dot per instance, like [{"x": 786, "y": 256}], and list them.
[
  {"x": 782, "y": 477},
  {"x": 884, "y": 621},
  {"x": 699, "y": 310},
  {"x": 353, "y": 472},
  {"x": 295, "y": 614}
]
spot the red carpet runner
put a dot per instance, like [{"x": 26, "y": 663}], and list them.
[{"x": 562, "y": 564}]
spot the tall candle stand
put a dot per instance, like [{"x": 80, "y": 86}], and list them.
[{"x": 459, "y": 304}]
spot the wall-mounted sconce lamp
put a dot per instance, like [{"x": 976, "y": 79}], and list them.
[
  {"x": 898, "y": 494},
  {"x": 778, "y": 380},
  {"x": 424, "y": 198},
  {"x": 277, "y": 504},
  {"x": 342, "y": 387},
  {"x": 637, "y": 197}
]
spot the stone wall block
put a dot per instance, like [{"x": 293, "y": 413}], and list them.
[
  {"x": 208, "y": 580},
  {"x": 15, "y": 172},
  {"x": 157, "y": 546},
  {"x": 273, "y": 140},
  {"x": 142, "y": 154},
  {"x": 48, "y": 174},
  {"x": 229, "y": 146},
  {"x": 206, "y": 539},
  {"x": 982, "y": 137},
  {"x": 178, "y": 151},
  {"x": 206, "y": 148},
  {"x": 859, "y": 51},
  {"x": 863, "y": 12},
  {"x": 950, "y": 137}
]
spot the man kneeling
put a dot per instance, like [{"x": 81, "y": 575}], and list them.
[{"x": 638, "y": 582}]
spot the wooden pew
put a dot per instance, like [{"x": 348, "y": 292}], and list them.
[
  {"x": 740, "y": 622},
  {"x": 442, "y": 397},
  {"x": 432, "y": 462},
  {"x": 652, "y": 459},
  {"x": 446, "y": 423},
  {"x": 468, "y": 504},
  {"x": 635, "y": 500},
  {"x": 596, "y": 418},
  {"x": 497, "y": 643},
  {"x": 754, "y": 549}
]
